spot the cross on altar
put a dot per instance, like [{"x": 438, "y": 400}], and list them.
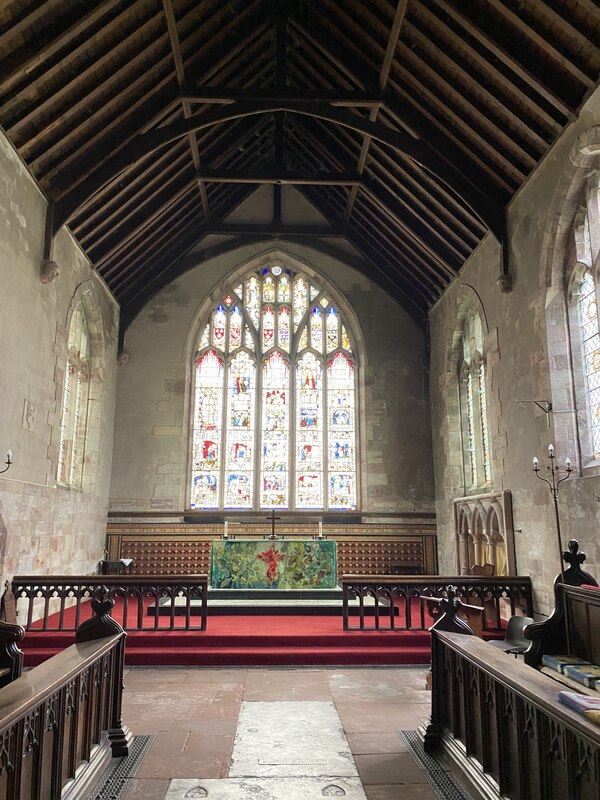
[{"x": 272, "y": 517}]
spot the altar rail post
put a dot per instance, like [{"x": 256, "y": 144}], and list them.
[
  {"x": 61, "y": 721},
  {"x": 501, "y": 725},
  {"x": 392, "y": 602},
  {"x": 62, "y": 602}
]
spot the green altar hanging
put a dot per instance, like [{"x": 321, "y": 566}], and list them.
[{"x": 273, "y": 564}]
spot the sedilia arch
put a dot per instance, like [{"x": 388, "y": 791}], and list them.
[
  {"x": 275, "y": 383},
  {"x": 561, "y": 270}
]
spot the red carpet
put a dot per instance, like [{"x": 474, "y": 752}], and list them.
[
  {"x": 250, "y": 641},
  {"x": 247, "y": 640}
]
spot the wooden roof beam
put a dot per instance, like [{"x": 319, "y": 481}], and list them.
[
  {"x": 511, "y": 62},
  {"x": 353, "y": 99},
  {"x": 281, "y": 177},
  {"x": 421, "y": 152},
  {"x": 383, "y": 79},
  {"x": 187, "y": 112}
]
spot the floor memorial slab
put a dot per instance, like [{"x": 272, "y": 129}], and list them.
[
  {"x": 266, "y": 789},
  {"x": 283, "y": 751}
]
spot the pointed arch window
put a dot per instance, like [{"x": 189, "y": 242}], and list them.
[
  {"x": 75, "y": 402},
  {"x": 473, "y": 405},
  {"x": 590, "y": 347},
  {"x": 274, "y": 406}
]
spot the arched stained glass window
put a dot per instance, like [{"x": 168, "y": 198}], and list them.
[
  {"x": 274, "y": 410},
  {"x": 74, "y": 413},
  {"x": 590, "y": 343}
]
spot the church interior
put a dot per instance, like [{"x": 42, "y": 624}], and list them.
[{"x": 300, "y": 357}]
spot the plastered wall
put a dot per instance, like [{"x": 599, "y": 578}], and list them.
[
  {"x": 150, "y": 453},
  {"x": 45, "y": 528},
  {"x": 527, "y": 358}
]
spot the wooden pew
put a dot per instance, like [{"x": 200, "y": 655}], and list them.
[
  {"x": 574, "y": 626},
  {"x": 60, "y": 723},
  {"x": 501, "y": 726}
]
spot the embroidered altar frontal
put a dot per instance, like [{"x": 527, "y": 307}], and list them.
[{"x": 273, "y": 564}]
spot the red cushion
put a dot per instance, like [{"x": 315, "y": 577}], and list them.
[{"x": 589, "y": 586}]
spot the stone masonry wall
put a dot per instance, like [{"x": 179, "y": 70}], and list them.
[
  {"x": 150, "y": 456},
  {"x": 45, "y": 528},
  {"x": 527, "y": 354}
]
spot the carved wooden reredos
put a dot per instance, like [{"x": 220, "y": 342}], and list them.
[{"x": 484, "y": 533}]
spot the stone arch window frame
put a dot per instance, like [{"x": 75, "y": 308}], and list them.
[
  {"x": 475, "y": 462},
  {"x": 589, "y": 459},
  {"x": 84, "y": 296},
  {"x": 585, "y": 252},
  {"x": 358, "y": 356},
  {"x": 558, "y": 266}
]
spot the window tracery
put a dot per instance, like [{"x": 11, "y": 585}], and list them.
[
  {"x": 74, "y": 411},
  {"x": 274, "y": 408},
  {"x": 473, "y": 404}
]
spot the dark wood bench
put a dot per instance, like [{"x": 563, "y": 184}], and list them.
[{"x": 573, "y": 628}]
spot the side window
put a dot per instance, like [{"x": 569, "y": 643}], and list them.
[
  {"x": 473, "y": 405},
  {"x": 74, "y": 414}
]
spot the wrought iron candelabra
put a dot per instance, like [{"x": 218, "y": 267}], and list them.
[
  {"x": 8, "y": 461},
  {"x": 557, "y": 476}
]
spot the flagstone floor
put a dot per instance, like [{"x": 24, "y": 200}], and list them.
[{"x": 274, "y": 733}]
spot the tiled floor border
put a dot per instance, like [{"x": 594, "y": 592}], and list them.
[
  {"x": 116, "y": 783},
  {"x": 437, "y": 773}
]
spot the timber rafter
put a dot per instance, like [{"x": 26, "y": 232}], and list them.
[{"x": 408, "y": 125}]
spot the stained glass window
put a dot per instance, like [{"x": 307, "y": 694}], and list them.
[
  {"x": 274, "y": 411},
  {"x": 74, "y": 413},
  {"x": 590, "y": 341}
]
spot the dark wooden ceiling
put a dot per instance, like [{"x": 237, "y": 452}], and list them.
[{"x": 409, "y": 125}]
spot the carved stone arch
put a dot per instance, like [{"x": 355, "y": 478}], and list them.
[
  {"x": 301, "y": 264},
  {"x": 562, "y": 266},
  {"x": 467, "y": 300},
  {"x": 84, "y": 296}
]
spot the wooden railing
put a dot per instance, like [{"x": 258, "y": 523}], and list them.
[
  {"x": 392, "y": 602},
  {"x": 61, "y": 721},
  {"x": 501, "y": 724},
  {"x": 60, "y": 603}
]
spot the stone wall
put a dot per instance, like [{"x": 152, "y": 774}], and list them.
[
  {"x": 528, "y": 358},
  {"x": 45, "y": 528},
  {"x": 150, "y": 456}
]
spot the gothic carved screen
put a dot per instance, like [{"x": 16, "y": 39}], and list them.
[{"x": 274, "y": 411}]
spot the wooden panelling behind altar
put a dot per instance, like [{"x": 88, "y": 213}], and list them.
[{"x": 368, "y": 548}]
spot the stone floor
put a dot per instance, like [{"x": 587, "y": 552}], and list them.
[{"x": 196, "y": 715}]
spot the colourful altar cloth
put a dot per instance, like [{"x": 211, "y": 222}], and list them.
[{"x": 273, "y": 564}]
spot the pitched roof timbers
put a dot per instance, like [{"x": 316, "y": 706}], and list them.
[
  {"x": 383, "y": 79},
  {"x": 187, "y": 112}
]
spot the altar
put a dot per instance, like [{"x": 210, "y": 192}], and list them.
[{"x": 273, "y": 564}]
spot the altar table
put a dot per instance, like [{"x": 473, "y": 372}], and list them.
[{"x": 273, "y": 564}]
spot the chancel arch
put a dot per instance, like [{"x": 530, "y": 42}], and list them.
[{"x": 275, "y": 397}]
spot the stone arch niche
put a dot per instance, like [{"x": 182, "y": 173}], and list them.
[
  {"x": 484, "y": 533},
  {"x": 558, "y": 268},
  {"x": 84, "y": 295}
]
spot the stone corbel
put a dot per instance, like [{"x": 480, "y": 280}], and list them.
[{"x": 49, "y": 269}]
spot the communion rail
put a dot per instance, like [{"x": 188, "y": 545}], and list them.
[
  {"x": 390, "y": 602},
  {"x": 61, "y": 603},
  {"x": 500, "y": 723},
  {"x": 60, "y": 722}
]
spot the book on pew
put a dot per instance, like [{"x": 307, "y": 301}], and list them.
[
  {"x": 583, "y": 704},
  {"x": 558, "y": 663},
  {"x": 586, "y": 674}
]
